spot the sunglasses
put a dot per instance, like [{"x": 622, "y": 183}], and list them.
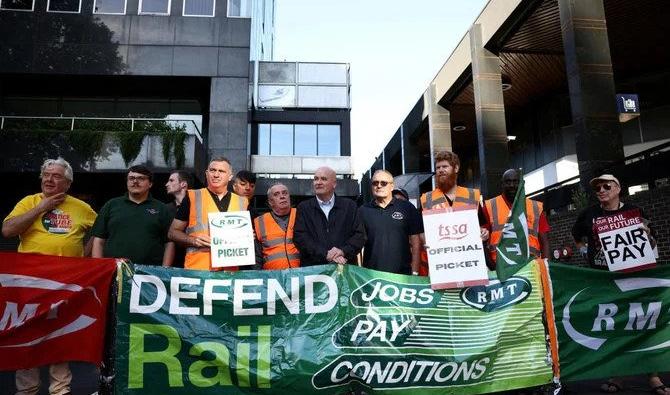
[
  {"x": 382, "y": 183},
  {"x": 606, "y": 187}
]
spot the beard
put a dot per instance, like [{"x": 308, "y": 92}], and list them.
[{"x": 448, "y": 182}]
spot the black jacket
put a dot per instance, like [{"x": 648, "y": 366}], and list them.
[{"x": 314, "y": 235}]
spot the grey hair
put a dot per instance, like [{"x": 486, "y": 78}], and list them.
[
  {"x": 274, "y": 185},
  {"x": 69, "y": 174}
]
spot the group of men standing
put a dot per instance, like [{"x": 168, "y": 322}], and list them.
[{"x": 323, "y": 229}]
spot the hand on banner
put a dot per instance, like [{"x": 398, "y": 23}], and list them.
[
  {"x": 647, "y": 230},
  {"x": 51, "y": 202},
  {"x": 201, "y": 241},
  {"x": 340, "y": 259},
  {"x": 484, "y": 233},
  {"x": 334, "y": 253}
]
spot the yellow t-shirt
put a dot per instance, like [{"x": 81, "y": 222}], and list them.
[{"x": 57, "y": 232}]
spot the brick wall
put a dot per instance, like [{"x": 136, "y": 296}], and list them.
[{"x": 656, "y": 206}]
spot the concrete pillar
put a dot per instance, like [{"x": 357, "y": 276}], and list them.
[
  {"x": 228, "y": 121},
  {"x": 591, "y": 83},
  {"x": 489, "y": 113},
  {"x": 439, "y": 126}
]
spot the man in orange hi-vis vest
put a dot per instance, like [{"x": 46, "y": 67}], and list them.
[
  {"x": 190, "y": 225},
  {"x": 450, "y": 196},
  {"x": 499, "y": 208},
  {"x": 274, "y": 231}
]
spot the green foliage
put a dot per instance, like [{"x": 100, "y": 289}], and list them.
[
  {"x": 87, "y": 143},
  {"x": 130, "y": 144},
  {"x": 173, "y": 143},
  {"x": 579, "y": 197}
]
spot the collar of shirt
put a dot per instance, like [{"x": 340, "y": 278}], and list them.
[{"x": 327, "y": 203}]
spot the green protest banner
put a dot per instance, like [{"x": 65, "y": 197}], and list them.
[
  {"x": 611, "y": 324},
  {"x": 513, "y": 251},
  {"x": 325, "y": 329}
]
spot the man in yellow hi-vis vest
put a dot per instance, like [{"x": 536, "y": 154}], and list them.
[{"x": 190, "y": 225}]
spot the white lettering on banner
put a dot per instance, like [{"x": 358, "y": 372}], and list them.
[
  {"x": 391, "y": 293},
  {"x": 204, "y": 292},
  {"x": 11, "y": 318},
  {"x": 638, "y": 319},
  {"x": 377, "y": 329}
]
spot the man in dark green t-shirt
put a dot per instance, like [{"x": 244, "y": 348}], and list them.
[{"x": 134, "y": 226}]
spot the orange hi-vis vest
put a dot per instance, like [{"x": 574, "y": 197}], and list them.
[
  {"x": 499, "y": 212},
  {"x": 201, "y": 204},
  {"x": 465, "y": 198},
  {"x": 279, "y": 252}
]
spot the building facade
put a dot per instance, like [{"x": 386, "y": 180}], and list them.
[{"x": 562, "y": 89}]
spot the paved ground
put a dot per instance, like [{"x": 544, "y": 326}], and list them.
[{"x": 84, "y": 383}]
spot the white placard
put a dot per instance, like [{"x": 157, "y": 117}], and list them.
[
  {"x": 625, "y": 245},
  {"x": 455, "y": 254},
  {"x": 231, "y": 239}
]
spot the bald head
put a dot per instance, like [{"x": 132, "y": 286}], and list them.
[{"x": 324, "y": 182}]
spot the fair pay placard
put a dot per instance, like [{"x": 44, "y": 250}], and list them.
[
  {"x": 231, "y": 239},
  {"x": 455, "y": 252},
  {"x": 625, "y": 244}
]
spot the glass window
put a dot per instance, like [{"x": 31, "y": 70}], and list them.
[
  {"x": 264, "y": 139},
  {"x": 320, "y": 73},
  {"x": 281, "y": 139},
  {"x": 64, "y": 6},
  {"x": 322, "y": 96},
  {"x": 329, "y": 140},
  {"x": 199, "y": 7},
  {"x": 276, "y": 96},
  {"x": 276, "y": 72},
  {"x": 156, "y": 7},
  {"x": 109, "y": 7},
  {"x": 239, "y": 8},
  {"x": 305, "y": 140},
  {"x": 20, "y": 5}
]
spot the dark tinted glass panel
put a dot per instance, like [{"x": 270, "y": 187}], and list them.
[
  {"x": 199, "y": 7},
  {"x": 329, "y": 140},
  {"x": 305, "y": 140},
  {"x": 16, "y": 4},
  {"x": 64, "y": 5},
  {"x": 281, "y": 140},
  {"x": 110, "y": 6},
  {"x": 155, "y": 6},
  {"x": 264, "y": 139}
]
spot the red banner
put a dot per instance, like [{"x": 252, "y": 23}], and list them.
[{"x": 52, "y": 309}]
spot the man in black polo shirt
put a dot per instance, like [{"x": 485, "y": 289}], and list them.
[
  {"x": 393, "y": 227},
  {"x": 134, "y": 226}
]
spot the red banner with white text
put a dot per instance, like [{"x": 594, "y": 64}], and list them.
[{"x": 52, "y": 309}]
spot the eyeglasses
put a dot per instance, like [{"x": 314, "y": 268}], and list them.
[
  {"x": 382, "y": 183},
  {"x": 606, "y": 187},
  {"x": 137, "y": 178}
]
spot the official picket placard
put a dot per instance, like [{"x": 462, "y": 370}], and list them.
[
  {"x": 625, "y": 244},
  {"x": 325, "y": 329},
  {"x": 611, "y": 323},
  {"x": 231, "y": 239},
  {"x": 455, "y": 254}
]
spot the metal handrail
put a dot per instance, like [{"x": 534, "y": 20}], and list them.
[{"x": 132, "y": 121}]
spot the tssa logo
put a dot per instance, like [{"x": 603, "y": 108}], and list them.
[
  {"x": 386, "y": 293},
  {"x": 230, "y": 222},
  {"x": 50, "y": 318},
  {"x": 452, "y": 232},
  {"x": 592, "y": 318},
  {"x": 496, "y": 295}
]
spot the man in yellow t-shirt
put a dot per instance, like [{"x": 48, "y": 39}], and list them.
[{"x": 51, "y": 223}]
